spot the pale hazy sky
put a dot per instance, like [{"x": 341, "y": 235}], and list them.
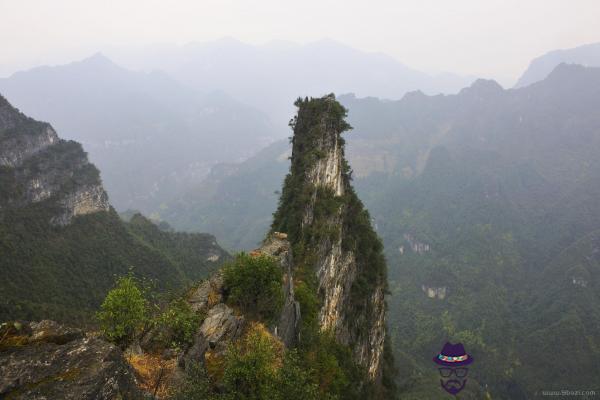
[{"x": 487, "y": 38}]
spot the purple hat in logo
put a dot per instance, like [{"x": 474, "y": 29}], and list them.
[{"x": 453, "y": 355}]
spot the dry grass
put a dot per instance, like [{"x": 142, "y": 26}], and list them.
[
  {"x": 153, "y": 373},
  {"x": 215, "y": 365},
  {"x": 214, "y": 297},
  {"x": 255, "y": 253}
]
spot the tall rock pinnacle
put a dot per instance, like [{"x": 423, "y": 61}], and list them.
[{"x": 331, "y": 233}]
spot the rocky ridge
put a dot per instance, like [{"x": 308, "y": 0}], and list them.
[
  {"x": 222, "y": 324},
  {"x": 40, "y": 166}
]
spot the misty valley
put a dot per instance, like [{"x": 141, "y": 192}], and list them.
[{"x": 227, "y": 221}]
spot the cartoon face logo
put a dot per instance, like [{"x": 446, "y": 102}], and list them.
[{"x": 452, "y": 362}]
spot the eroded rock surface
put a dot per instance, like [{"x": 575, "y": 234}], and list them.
[
  {"x": 37, "y": 166},
  {"x": 220, "y": 327},
  {"x": 45, "y": 360},
  {"x": 327, "y": 217},
  {"x": 288, "y": 323},
  {"x": 208, "y": 293}
]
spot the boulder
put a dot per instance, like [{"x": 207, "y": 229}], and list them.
[
  {"x": 220, "y": 327},
  {"x": 207, "y": 294},
  {"x": 45, "y": 360}
]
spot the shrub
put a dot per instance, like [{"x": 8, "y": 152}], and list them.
[
  {"x": 196, "y": 385},
  {"x": 251, "y": 367},
  {"x": 255, "y": 285},
  {"x": 295, "y": 381},
  {"x": 180, "y": 323},
  {"x": 123, "y": 312}
]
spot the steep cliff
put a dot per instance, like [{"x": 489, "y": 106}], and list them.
[
  {"x": 329, "y": 263},
  {"x": 335, "y": 249},
  {"x": 37, "y": 165}
]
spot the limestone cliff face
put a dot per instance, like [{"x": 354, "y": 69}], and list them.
[
  {"x": 16, "y": 149},
  {"x": 321, "y": 212},
  {"x": 39, "y": 166}
]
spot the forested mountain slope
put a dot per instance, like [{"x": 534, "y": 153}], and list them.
[{"x": 62, "y": 243}]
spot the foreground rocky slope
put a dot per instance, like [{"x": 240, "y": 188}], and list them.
[
  {"x": 44, "y": 360},
  {"x": 223, "y": 325}
]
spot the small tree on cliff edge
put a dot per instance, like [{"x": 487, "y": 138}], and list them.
[{"x": 123, "y": 311}]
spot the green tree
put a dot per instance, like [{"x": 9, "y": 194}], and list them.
[
  {"x": 254, "y": 285},
  {"x": 295, "y": 381},
  {"x": 196, "y": 386},
  {"x": 251, "y": 368},
  {"x": 124, "y": 311},
  {"x": 180, "y": 323}
]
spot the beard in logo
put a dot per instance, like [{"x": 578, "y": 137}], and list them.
[{"x": 453, "y": 386}]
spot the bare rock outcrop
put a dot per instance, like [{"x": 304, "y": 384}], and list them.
[
  {"x": 37, "y": 166},
  {"x": 222, "y": 325},
  {"x": 287, "y": 326},
  {"x": 45, "y": 360}
]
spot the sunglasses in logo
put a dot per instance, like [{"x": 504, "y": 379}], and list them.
[{"x": 459, "y": 372}]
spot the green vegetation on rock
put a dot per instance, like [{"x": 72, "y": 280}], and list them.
[{"x": 123, "y": 312}]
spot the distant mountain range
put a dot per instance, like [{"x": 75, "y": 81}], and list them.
[
  {"x": 270, "y": 77},
  {"x": 395, "y": 138},
  {"x": 149, "y": 135},
  {"x": 156, "y": 134},
  {"x": 540, "y": 68}
]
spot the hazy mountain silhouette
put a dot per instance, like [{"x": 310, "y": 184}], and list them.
[
  {"x": 149, "y": 135},
  {"x": 271, "y": 76},
  {"x": 540, "y": 67}
]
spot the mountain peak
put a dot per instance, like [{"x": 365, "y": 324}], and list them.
[
  {"x": 318, "y": 197},
  {"x": 587, "y": 55},
  {"x": 483, "y": 88},
  {"x": 97, "y": 59},
  {"x": 565, "y": 71},
  {"x": 486, "y": 84}
]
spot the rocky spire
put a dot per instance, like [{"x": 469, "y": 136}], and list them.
[{"x": 330, "y": 232}]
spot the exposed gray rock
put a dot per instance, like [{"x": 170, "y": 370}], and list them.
[
  {"x": 208, "y": 293},
  {"x": 85, "y": 200},
  {"x": 220, "y": 327},
  {"x": 14, "y": 150},
  {"x": 361, "y": 328},
  {"x": 44, "y": 360},
  {"x": 52, "y": 332},
  {"x": 40, "y": 166},
  {"x": 415, "y": 245},
  {"x": 435, "y": 292},
  {"x": 288, "y": 323}
]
